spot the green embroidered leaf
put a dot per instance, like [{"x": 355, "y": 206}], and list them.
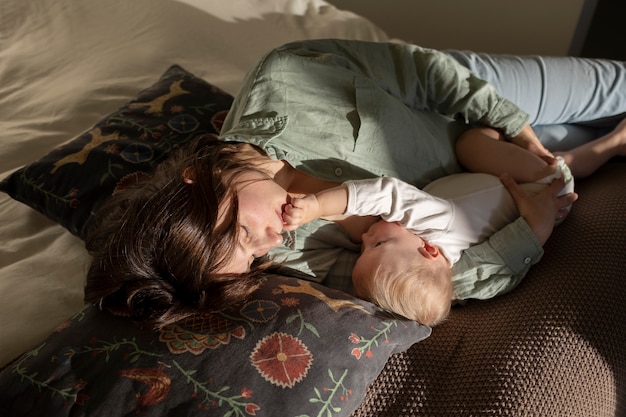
[{"x": 312, "y": 329}]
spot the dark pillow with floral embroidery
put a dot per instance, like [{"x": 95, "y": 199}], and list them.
[
  {"x": 71, "y": 182},
  {"x": 294, "y": 348}
]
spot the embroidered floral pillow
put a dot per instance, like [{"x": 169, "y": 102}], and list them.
[
  {"x": 72, "y": 181},
  {"x": 294, "y": 349}
]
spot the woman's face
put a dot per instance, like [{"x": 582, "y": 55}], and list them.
[{"x": 261, "y": 204}]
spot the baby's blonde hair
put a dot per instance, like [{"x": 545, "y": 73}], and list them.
[{"x": 421, "y": 292}]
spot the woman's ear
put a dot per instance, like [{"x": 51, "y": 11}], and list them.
[{"x": 189, "y": 175}]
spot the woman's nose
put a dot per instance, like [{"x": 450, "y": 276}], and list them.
[{"x": 270, "y": 239}]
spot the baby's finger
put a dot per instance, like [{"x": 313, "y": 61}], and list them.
[
  {"x": 292, "y": 217},
  {"x": 297, "y": 202},
  {"x": 288, "y": 209},
  {"x": 290, "y": 224}
]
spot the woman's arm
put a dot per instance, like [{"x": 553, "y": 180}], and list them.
[
  {"x": 422, "y": 78},
  {"x": 497, "y": 265}
]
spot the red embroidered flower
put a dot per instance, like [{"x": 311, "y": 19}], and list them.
[
  {"x": 80, "y": 384},
  {"x": 289, "y": 301},
  {"x": 246, "y": 393},
  {"x": 281, "y": 359},
  {"x": 112, "y": 149},
  {"x": 252, "y": 408},
  {"x": 356, "y": 352}
]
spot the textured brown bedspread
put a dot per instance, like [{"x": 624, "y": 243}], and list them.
[{"x": 555, "y": 346}]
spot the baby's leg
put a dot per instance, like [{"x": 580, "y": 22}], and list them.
[
  {"x": 584, "y": 160},
  {"x": 485, "y": 150}
]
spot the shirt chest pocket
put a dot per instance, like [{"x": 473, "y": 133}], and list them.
[{"x": 396, "y": 140}]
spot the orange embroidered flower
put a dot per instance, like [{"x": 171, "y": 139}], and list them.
[{"x": 281, "y": 359}]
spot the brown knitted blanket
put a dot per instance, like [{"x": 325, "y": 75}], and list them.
[{"x": 555, "y": 346}]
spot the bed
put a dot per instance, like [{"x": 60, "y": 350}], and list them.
[{"x": 94, "y": 94}]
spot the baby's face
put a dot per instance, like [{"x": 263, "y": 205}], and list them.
[{"x": 393, "y": 247}]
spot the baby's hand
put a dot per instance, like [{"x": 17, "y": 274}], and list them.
[{"x": 301, "y": 210}]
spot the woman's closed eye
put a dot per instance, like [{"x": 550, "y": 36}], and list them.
[
  {"x": 247, "y": 236},
  {"x": 245, "y": 242}
]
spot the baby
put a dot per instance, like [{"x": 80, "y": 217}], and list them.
[{"x": 407, "y": 251}]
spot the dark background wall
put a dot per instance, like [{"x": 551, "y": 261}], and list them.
[{"x": 606, "y": 35}]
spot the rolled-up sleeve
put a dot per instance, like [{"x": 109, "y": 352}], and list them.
[{"x": 497, "y": 265}]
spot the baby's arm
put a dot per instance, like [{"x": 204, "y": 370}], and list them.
[
  {"x": 390, "y": 198},
  {"x": 329, "y": 204}
]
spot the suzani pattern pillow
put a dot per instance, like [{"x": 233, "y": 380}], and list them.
[
  {"x": 294, "y": 348},
  {"x": 72, "y": 181}
]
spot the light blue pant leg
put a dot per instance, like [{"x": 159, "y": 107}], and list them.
[
  {"x": 557, "y": 91},
  {"x": 554, "y": 90}
]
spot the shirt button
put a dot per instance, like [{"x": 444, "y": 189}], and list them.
[
  {"x": 527, "y": 260},
  {"x": 338, "y": 172}
]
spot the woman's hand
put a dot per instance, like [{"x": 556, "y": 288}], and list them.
[
  {"x": 528, "y": 139},
  {"x": 542, "y": 210}
]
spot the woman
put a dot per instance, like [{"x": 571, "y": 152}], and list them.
[
  {"x": 341, "y": 110},
  {"x": 328, "y": 111}
]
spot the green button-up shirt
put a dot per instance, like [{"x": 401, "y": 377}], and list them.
[{"x": 343, "y": 110}]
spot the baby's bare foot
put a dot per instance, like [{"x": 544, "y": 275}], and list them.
[{"x": 619, "y": 136}]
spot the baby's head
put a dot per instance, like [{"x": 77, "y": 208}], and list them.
[{"x": 402, "y": 273}]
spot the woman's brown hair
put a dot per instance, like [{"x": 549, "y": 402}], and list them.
[{"x": 158, "y": 247}]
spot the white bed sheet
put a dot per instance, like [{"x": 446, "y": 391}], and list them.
[{"x": 64, "y": 64}]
